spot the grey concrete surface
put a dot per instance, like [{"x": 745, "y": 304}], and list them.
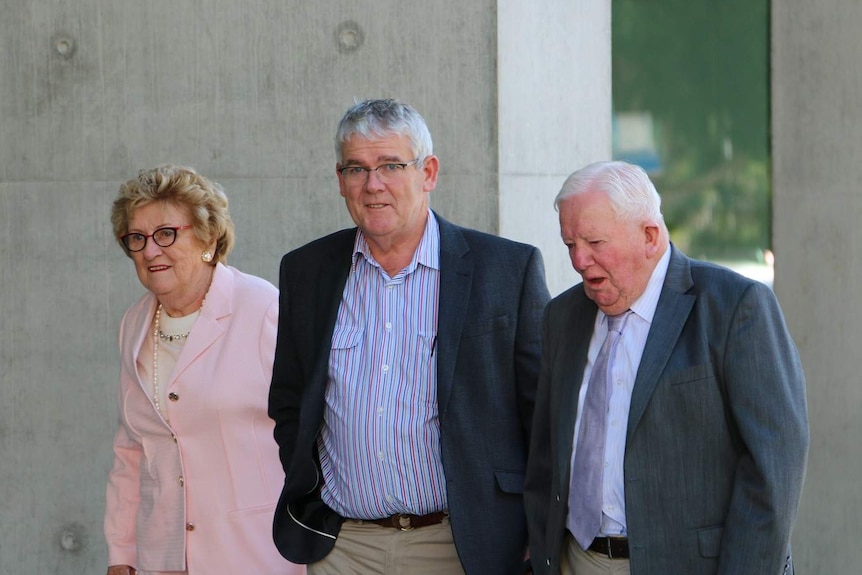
[
  {"x": 249, "y": 94},
  {"x": 816, "y": 146},
  {"x": 554, "y": 115}
]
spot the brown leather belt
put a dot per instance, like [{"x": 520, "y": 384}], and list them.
[
  {"x": 406, "y": 522},
  {"x": 613, "y": 547}
]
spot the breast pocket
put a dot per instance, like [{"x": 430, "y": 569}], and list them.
[
  {"x": 345, "y": 357},
  {"x": 346, "y": 339},
  {"x": 693, "y": 374},
  {"x": 347, "y": 336},
  {"x": 484, "y": 326}
]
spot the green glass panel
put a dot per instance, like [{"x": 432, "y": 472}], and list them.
[{"x": 691, "y": 105}]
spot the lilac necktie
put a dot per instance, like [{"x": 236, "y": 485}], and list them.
[{"x": 585, "y": 490}]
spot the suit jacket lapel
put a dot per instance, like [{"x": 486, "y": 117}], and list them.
[
  {"x": 456, "y": 283},
  {"x": 674, "y": 307},
  {"x": 328, "y": 287}
]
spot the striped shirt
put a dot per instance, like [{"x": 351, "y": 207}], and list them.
[{"x": 380, "y": 441}]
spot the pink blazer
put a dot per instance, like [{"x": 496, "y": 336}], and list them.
[{"x": 200, "y": 494}]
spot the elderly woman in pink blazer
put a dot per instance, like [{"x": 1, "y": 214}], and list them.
[{"x": 196, "y": 474}]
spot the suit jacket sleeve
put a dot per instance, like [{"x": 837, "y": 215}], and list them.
[
  {"x": 528, "y": 340},
  {"x": 765, "y": 393},
  {"x": 123, "y": 490},
  {"x": 285, "y": 393},
  {"x": 122, "y": 500},
  {"x": 537, "y": 488}
]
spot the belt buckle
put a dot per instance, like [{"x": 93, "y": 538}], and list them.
[{"x": 402, "y": 521}]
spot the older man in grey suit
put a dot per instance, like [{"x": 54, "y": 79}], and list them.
[
  {"x": 405, "y": 374},
  {"x": 702, "y": 421}
]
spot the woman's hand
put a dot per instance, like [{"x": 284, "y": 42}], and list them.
[{"x": 121, "y": 570}]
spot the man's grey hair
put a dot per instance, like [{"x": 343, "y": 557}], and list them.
[
  {"x": 381, "y": 118},
  {"x": 632, "y": 194}
]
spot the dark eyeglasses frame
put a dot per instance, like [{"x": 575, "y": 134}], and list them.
[
  {"x": 175, "y": 229},
  {"x": 352, "y": 173}
]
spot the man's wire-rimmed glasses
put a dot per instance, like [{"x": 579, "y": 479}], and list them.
[{"x": 387, "y": 173}]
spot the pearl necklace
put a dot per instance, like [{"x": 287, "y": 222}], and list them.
[
  {"x": 157, "y": 332},
  {"x": 157, "y": 335}
]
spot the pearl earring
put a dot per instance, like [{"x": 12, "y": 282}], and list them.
[{"x": 207, "y": 257}]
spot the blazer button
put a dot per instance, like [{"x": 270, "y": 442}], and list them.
[
  {"x": 173, "y": 396},
  {"x": 190, "y": 526},
  {"x": 181, "y": 481},
  {"x": 174, "y": 437},
  {"x": 558, "y": 495}
]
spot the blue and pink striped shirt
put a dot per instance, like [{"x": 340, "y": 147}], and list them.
[{"x": 380, "y": 442}]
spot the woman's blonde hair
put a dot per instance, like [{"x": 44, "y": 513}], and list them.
[{"x": 183, "y": 187}]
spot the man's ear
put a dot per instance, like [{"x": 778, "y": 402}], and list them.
[
  {"x": 430, "y": 168},
  {"x": 652, "y": 239}
]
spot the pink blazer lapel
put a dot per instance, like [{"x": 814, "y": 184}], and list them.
[
  {"x": 135, "y": 329},
  {"x": 209, "y": 327}
]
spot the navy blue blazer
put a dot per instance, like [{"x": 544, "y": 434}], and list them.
[
  {"x": 492, "y": 293},
  {"x": 717, "y": 436}
]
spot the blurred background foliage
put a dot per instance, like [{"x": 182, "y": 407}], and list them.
[{"x": 694, "y": 76}]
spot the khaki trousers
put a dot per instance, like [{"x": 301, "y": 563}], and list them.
[
  {"x": 576, "y": 561},
  {"x": 367, "y": 549}
]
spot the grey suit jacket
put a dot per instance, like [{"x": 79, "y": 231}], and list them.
[
  {"x": 717, "y": 435},
  {"x": 492, "y": 293}
]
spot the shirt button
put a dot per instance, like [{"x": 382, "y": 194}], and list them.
[
  {"x": 190, "y": 526},
  {"x": 380, "y": 410},
  {"x": 380, "y": 455},
  {"x": 173, "y": 396},
  {"x": 174, "y": 437},
  {"x": 181, "y": 481},
  {"x": 385, "y": 368},
  {"x": 388, "y": 325}
]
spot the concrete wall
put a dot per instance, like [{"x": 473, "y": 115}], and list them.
[
  {"x": 816, "y": 150},
  {"x": 249, "y": 94},
  {"x": 555, "y": 115}
]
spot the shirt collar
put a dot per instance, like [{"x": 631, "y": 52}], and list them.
[
  {"x": 427, "y": 252},
  {"x": 645, "y": 305}
]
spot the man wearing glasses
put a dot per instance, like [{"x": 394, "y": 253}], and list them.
[{"x": 405, "y": 372}]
